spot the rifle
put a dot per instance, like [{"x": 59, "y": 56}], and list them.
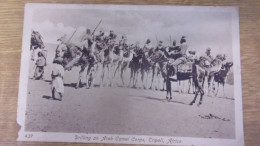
[
  {"x": 96, "y": 28},
  {"x": 156, "y": 39},
  {"x": 72, "y": 35}
]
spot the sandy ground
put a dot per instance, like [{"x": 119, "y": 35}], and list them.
[{"x": 126, "y": 111}]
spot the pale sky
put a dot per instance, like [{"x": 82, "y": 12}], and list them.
[{"x": 202, "y": 29}]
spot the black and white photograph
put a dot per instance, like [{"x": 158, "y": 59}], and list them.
[{"x": 163, "y": 75}]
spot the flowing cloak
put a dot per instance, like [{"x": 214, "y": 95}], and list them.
[{"x": 57, "y": 80}]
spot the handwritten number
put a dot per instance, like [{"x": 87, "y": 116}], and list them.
[{"x": 28, "y": 135}]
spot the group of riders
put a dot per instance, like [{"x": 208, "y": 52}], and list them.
[{"x": 113, "y": 56}]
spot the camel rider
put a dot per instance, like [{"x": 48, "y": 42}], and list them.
[
  {"x": 216, "y": 65},
  {"x": 87, "y": 37},
  {"x": 179, "y": 54},
  {"x": 122, "y": 46},
  {"x": 137, "y": 48},
  {"x": 191, "y": 56},
  {"x": 173, "y": 52},
  {"x": 157, "y": 54},
  {"x": 112, "y": 38},
  {"x": 123, "y": 42},
  {"x": 160, "y": 46},
  {"x": 88, "y": 48},
  {"x": 159, "y": 50},
  {"x": 100, "y": 40},
  {"x": 208, "y": 57},
  {"x": 70, "y": 51},
  {"x": 148, "y": 49},
  {"x": 63, "y": 39},
  {"x": 173, "y": 47}
]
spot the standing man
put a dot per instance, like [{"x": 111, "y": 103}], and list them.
[
  {"x": 40, "y": 64},
  {"x": 57, "y": 86}
]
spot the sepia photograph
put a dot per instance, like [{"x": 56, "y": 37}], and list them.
[{"x": 131, "y": 74}]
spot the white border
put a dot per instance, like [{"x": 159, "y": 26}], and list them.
[{"x": 161, "y": 140}]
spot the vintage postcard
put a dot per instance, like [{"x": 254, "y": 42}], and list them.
[{"x": 160, "y": 75}]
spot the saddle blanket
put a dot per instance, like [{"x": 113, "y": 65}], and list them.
[{"x": 185, "y": 68}]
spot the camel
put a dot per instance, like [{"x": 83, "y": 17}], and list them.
[
  {"x": 198, "y": 78},
  {"x": 88, "y": 61},
  {"x": 36, "y": 42},
  {"x": 135, "y": 66},
  {"x": 214, "y": 67},
  {"x": 127, "y": 57},
  {"x": 107, "y": 65},
  {"x": 221, "y": 76}
]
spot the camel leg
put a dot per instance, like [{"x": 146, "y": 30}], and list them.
[
  {"x": 153, "y": 79},
  {"x": 121, "y": 76},
  {"x": 80, "y": 76},
  {"x": 159, "y": 81},
  {"x": 134, "y": 74},
  {"x": 164, "y": 84},
  {"x": 33, "y": 54},
  {"x": 107, "y": 73},
  {"x": 168, "y": 89},
  {"x": 209, "y": 87},
  {"x": 136, "y": 79},
  {"x": 142, "y": 77},
  {"x": 131, "y": 77},
  {"x": 53, "y": 94},
  {"x": 156, "y": 81},
  {"x": 210, "y": 80},
  {"x": 117, "y": 68},
  {"x": 224, "y": 90},
  {"x": 201, "y": 96},
  {"x": 217, "y": 90},
  {"x": 146, "y": 79},
  {"x": 195, "y": 97},
  {"x": 179, "y": 89},
  {"x": 87, "y": 78},
  {"x": 102, "y": 76},
  {"x": 112, "y": 73},
  {"x": 189, "y": 86},
  {"x": 93, "y": 74}
]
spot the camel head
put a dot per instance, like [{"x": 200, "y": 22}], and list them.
[
  {"x": 228, "y": 64},
  {"x": 36, "y": 39}
]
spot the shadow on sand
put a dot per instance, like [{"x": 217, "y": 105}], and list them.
[
  {"x": 222, "y": 97},
  {"x": 47, "y": 97},
  {"x": 158, "y": 99}
]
